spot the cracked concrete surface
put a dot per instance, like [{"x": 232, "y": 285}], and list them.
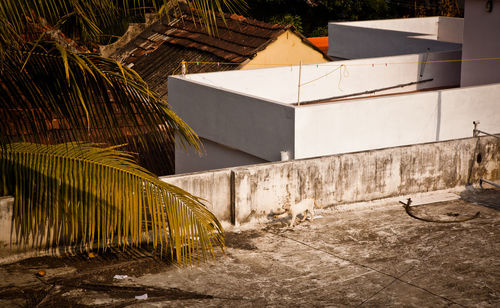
[{"x": 365, "y": 257}]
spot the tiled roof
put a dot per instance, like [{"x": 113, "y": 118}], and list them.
[
  {"x": 157, "y": 66},
  {"x": 321, "y": 42},
  {"x": 158, "y": 51},
  {"x": 236, "y": 40}
]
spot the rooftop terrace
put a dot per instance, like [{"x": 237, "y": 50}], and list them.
[{"x": 366, "y": 255}]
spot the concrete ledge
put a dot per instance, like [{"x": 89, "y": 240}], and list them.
[
  {"x": 344, "y": 178},
  {"x": 213, "y": 186},
  {"x": 6, "y": 211}
]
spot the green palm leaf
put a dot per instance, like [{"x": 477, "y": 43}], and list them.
[{"x": 79, "y": 194}]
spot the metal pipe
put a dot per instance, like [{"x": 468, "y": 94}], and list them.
[
  {"x": 480, "y": 131},
  {"x": 298, "y": 88},
  {"x": 368, "y": 92},
  {"x": 489, "y": 182},
  {"x": 476, "y": 132}
]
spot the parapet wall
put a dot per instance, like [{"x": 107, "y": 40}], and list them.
[
  {"x": 236, "y": 195},
  {"x": 239, "y": 194}
]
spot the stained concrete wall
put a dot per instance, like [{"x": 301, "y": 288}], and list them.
[
  {"x": 255, "y": 191},
  {"x": 390, "y": 37},
  {"x": 213, "y": 186},
  {"x": 236, "y": 195},
  {"x": 481, "y": 40},
  {"x": 6, "y": 211}
]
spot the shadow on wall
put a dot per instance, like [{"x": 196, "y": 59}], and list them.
[{"x": 351, "y": 42}]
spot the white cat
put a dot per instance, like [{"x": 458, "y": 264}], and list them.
[{"x": 302, "y": 207}]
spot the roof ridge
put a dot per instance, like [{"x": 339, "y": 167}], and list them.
[
  {"x": 225, "y": 26},
  {"x": 217, "y": 47},
  {"x": 221, "y": 38}
]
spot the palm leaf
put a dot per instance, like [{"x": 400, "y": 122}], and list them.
[
  {"x": 53, "y": 90},
  {"x": 79, "y": 194},
  {"x": 63, "y": 96}
]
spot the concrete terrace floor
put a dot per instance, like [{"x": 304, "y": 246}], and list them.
[{"x": 365, "y": 255}]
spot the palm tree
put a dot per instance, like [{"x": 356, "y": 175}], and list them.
[{"x": 58, "y": 98}]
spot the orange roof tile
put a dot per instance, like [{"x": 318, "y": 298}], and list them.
[{"x": 321, "y": 42}]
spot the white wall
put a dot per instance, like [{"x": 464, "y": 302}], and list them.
[
  {"x": 421, "y": 25},
  {"x": 280, "y": 84},
  {"x": 260, "y": 128},
  {"x": 242, "y": 129},
  {"x": 450, "y": 29},
  {"x": 247, "y": 117},
  {"x": 481, "y": 40},
  {"x": 350, "y": 126},
  {"x": 380, "y": 38}
]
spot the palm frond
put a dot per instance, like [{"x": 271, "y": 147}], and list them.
[
  {"x": 79, "y": 194},
  {"x": 53, "y": 90},
  {"x": 62, "y": 96}
]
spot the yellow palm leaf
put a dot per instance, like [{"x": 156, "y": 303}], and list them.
[{"x": 81, "y": 194}]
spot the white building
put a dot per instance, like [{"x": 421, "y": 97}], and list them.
[
  {"x": 390, "y": 37},
  {"x": 481, "y": 41},
  {"x": 246, "y": 117}
]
